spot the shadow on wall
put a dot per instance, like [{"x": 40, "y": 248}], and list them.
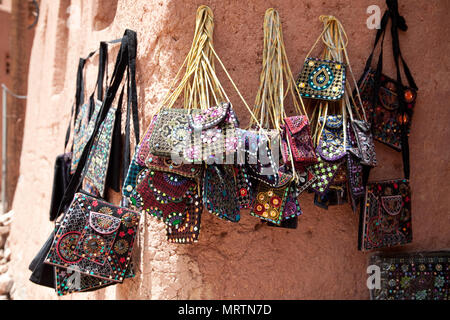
[{"x": 104, "y": 14}]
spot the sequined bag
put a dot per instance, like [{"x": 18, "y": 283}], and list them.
[
  {"x": 171, "y": 133},
  {"x": 270, "y": 201},
  {"x": 330, "y": 153},
  {"x": 189, "y": 230},
  {"x": 385, "y": 113},
  {"x": 322, "y": 79},
  {"x": 213, "y": 135},
  {"x": 244, "y": 187},
  {"x": 386, "y": 215},
  {"x": 412, "y": 276},
  {"x": 298, "y": 132},
  {"x": 388, "y": 102},
  {"x": 163, "y": 195},
  {"x": 219, "y": 192},
  {"x": 95, "y": 238}
]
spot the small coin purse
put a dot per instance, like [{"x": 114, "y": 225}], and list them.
[{"x": 322, "y": 79}]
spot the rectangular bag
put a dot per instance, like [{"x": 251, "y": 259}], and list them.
[
  {"x": 386, "y": 215},
  {"x": 322, "y": 79},
  {"x": 171, "y": 133},
  {"x": 96, "y": 238},
  {"x": 213, "y": 135},
  {"x": 298, "y": 132},
  {"x": 412, "y": 276},
  {"x": 330, "y": 153}
]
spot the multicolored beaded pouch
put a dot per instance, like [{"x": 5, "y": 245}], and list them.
[
  {"x": 386, "y": 218},
  {"x": 270, "y": 201},
  {"x": 162, "y": 194},
  {"x": 213, "y": 135},
  {"x": 412, "y": 276},
  {"x": 331, "y": 153},
  {"x": 96, "y": 238},
  {"x": 219, "y": 192},
  {"x": 171, "y": 133},
  {"x": 386, "y": 116},
  {"x": 322, "y": 79},
  {"x": 98, "y": 159},
  {"x": 193, "y": 171},
  {"x": 298, "y": 132}
]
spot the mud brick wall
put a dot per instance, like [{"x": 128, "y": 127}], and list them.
[{"x": 232, "y": 261}]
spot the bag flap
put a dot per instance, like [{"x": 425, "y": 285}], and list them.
[
  {"x": 332, "y": 121},
  {"x": 296, "y": 124},
  {"x": 210, "y": 117},
  {"x": 329, "y": 151},
  {"x": 392, "y": 204},
  {"x": 103, "y": 223}
]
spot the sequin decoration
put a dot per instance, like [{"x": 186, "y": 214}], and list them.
[
  {"x": 83, "y": 129},
  {"x": 413, "y": 276},
  {"x": 322, "y": 79},
  {"x": 76, "y": 237},
  {"x": 385, "y": 116},
  {"x": 386, "y": 220},
  {"x": 298, "y": 132},
  {"x": 270, "y": 201}
]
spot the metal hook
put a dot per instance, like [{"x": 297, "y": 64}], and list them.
[{"x": 36, "y": 6}]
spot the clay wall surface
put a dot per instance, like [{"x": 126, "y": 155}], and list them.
[{"x": 319, "y": 260}]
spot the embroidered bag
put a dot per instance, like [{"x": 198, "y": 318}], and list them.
[
  {"x": 270, "y": 201},
  {"x": 298, "y": 132},
  {"x": 386, "y": 217},
  {"x": 213, "y": 135},
  {"x": 412, "y": 276},
  {"x": 331, "y": 153},
  {"x": 387, "y": 109},
  {"x": 96, "y": 237},
  {"x": 322, "y": 79},
  {"x": 188, "y": 231},
  {"x": 219, "y": 192}
]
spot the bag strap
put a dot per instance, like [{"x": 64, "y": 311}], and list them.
[{"x": 116, "y": 79}]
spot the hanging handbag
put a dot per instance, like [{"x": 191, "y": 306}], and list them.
[
  {"x": 270, "y": 200},
  {"x": 96, "y": 238},
  {"x": 388, "y": 110},
  {"x": 298, "y": 132},
  {"x": 219, "y": 192},
  {"x": 386, "y": 215}
]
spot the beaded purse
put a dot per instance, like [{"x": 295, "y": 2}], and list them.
[
  {"x": 171, "y": 133},
  {"x": 219, "y": 192},
  {"x": 386, "y": 216},
  {"x": 213, "y": 135},
  {"x": 163, "y": 195},
  {"x": 95, "y": 238},
  {"x": 384, "y": 109},
  {"x": 412, "y": 276},
  {"x": 244, "y": 187},
  {"x": 331, "y": 153},
  {"x": 270, "y": 201},
  {"x": 322, "y": 79},
  {"x": 298, "y": 132}
]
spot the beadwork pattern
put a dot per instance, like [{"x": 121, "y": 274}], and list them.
[
  {"x": 413, "y": 276},
  {"x": 322, "y": 79}
]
